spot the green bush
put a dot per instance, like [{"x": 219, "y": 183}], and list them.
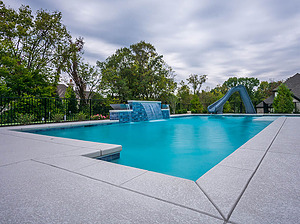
[
  {"x": 25, "y": 118},
  {"x": 182, "y": 111},
  {"x": 205, "y": 111},
  {"x": 58, "y": 117},
  {"x": 283, "y": 102},
  {"x": 196, "y": 105},
  {"x": 81, "y": 116},
  {"x": 194, "y": 111}
]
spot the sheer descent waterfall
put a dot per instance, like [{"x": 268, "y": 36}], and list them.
[{"x": 153, "y": 111}]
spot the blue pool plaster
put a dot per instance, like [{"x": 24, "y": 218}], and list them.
[{"x": 184, "y": 147}]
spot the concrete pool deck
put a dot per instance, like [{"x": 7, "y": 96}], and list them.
[{"x": 46, "y": 179}]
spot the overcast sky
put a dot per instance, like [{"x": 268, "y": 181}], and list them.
[{"x": 220, "y": 38}]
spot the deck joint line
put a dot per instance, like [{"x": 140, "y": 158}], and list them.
[
  {"x": 248, "y": 182},
  {"x": 211, "y": 201},
  {"x": 133, "y": 178},
  {"x": 140, "y": 193}
]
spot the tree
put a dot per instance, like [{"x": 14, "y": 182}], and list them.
[
  {"x": 71, "y": 100},
  {"x": 283, "y": 101},
  {"x": 249, "y": 83},
  {"x": 84, "y": 75},
  {"x": 137, "y": 72},
  {"x": 172, "y": 100},
  {"x": 264, "y": 90},
  {"x": 184, "y": 95},
  {"x": 30, "y": 46},
  {"x": 196, "y": 82},
  {"x": 196, "y": 105}
]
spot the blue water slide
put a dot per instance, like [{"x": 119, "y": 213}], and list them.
[{"x": 217, "y": 107}]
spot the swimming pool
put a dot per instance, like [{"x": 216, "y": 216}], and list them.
[{"x": 184, "y": 147}]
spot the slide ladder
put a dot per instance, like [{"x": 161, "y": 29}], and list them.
[{"x": 217, "y": 107}]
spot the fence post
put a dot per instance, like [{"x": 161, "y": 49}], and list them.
[
  {"x": 2, "y": 105},
  {"x": 45, "y": 115},
  {"x": 90, "y": 108}
]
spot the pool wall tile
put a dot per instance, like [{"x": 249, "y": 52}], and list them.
[
  {"x": 166, "y": 113},
  {"x": 139, "y": 112}
]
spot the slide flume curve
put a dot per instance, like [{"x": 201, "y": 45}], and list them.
[{"x": 217, "y": 107}]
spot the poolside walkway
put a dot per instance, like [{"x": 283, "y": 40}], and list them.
[{"x": 47, "y": 179}]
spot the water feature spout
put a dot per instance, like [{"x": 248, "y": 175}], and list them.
[{"x": 153, "y": 111}]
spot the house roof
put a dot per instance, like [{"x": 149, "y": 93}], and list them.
[
  {"x": 61, "y": 90},
  {"x": 293, "y": 83},
  {"x": 268, "y": 101}
]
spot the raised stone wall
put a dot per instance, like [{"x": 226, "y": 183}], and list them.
[{"x": 137, "y": 112}]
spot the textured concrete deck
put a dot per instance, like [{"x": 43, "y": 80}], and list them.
[{"x": 46, "y": 179}]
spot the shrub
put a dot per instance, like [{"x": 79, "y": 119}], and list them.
[
  {"x": 81, "y": 116},
  {"x": 196, "y": 105},
  {"x": 58, "y": 117},
  {"x": 283, "y": 102},
  {"x": 182, "y": 111},
  {"x": 205, "y": 111},
  {"x": 195, "y": 111},
  {"x": 25, "y": 118}
]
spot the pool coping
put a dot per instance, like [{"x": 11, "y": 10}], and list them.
[{"x": 211, "y": 195}]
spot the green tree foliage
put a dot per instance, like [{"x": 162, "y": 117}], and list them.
[
  {"x": 172, "y": 100},
  {"x": 184, "y": 95},
  {"x": 30, "y": 47},
  {"x": 249, "y": 83},
  {"x": 196, "y": 106},
  {"x": 4, "y": 90},
  {"x": 137, "y": 72},
  {"x": 71, "y": 101},
  {"x": 84, "y": 75},
  {"x": 283, "y": 102},
  {"x": 196, "y": 82},
  {"x": 264, "y": 90}
]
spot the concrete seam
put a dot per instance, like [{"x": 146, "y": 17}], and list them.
[
  {"x": 236, "y": 167},
  {"x": 211, "y": 201},
  {"x": 9, "y": 164},
  {"x": 85, "y": 166},
  {"x": 124, "y": 188},
  {"x": 134, "y": 178},
  {"x": 248, "y": 182},
  {"x": 285, "y": 153}
]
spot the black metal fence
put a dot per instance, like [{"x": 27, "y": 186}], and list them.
[
  {"x": 234, "y": 108},
  {"x": 18, "y": 111}
]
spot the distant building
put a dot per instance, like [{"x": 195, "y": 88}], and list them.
[
  {"x": 293, "y": 83},
  {"x": 62, "y": 88}
]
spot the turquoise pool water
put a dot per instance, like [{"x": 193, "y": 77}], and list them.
[{"x": 184, "y": 147}]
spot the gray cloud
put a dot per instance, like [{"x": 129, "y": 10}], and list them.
[{"x": 218, "y": 38}]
